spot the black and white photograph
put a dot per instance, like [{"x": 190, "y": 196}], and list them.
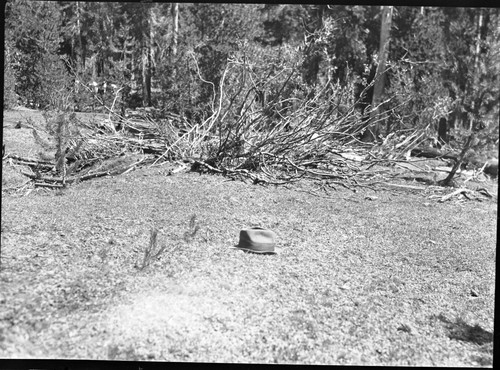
[{"x": 249, "y": 183}]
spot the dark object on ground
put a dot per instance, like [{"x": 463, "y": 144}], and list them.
[
  {"x": 3, "y": 150},
  {"x": 442, "y": 131},
  {"x": 18, "y": 125},
  {"x": 491, "y": 167},
  {"x": 257, "y": 240}
]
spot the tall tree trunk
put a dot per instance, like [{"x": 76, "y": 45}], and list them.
[
  {"x": 95, "y": 60},
  {"x": 146, "y": 76},
  {"x": 175, "y": 37},
  {"x": 81, "y": 51},
  {"x": 146, "y": 63},
  {"x": 478, "y": 40},
  {"x": 175, "y": 16},
  {"x": 378, "y": 88},
  {"x": 477, "y": 60}
]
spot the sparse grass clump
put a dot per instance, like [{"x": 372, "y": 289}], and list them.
[
  {"x": 154, "y": 250},
  {"x": 193, "y": 228}
]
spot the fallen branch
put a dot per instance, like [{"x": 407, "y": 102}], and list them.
[
  {"x": 434, "y": 153},
  {"x": 87, "y": 177},
  {"x": 42, "y": 184},
  {"x": 69, "y": 180},
  {"x": 133, "y": 166},
  {"x": 486, "y": 193},
  {"x": 315, "y": 173},
  {"x": 16, "y": 187},
  {"x": 204, "y": 164},
  {"x": 36, "y": 176},
  {"x": 30, "y": 161},
  {"x": 463, "y": 191},
  {"x": 406, "y": 186}
]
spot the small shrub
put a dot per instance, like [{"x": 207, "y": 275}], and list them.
[{"x": 66, "y": 137}]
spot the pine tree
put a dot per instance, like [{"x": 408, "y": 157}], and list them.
[{"x": 32, "y": 28}]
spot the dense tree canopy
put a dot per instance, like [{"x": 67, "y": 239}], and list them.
[{"x": 441, "y": 62}]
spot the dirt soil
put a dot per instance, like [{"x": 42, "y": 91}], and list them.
[{"x": 382, "y": 276}]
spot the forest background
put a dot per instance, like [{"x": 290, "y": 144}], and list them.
[{"x": 383, "y": 75}]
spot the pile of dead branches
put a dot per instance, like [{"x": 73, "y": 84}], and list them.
[
  {"x": 259, "y": 129},
  {"x": 286, "y": 137},
  {"x": 74, "y": 150}
]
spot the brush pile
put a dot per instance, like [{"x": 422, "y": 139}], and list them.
[{"x": 278, "y": 137}]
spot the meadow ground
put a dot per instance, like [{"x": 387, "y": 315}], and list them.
[{"x": 374, "y": 277}]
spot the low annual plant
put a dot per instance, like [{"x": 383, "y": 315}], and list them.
[
  {"x": 192, "y": 230},
  {"x": 154, "y": 250}
]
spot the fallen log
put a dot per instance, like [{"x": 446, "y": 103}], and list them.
[
  {"x": 30, "y": 160},
  {"x": 38, "y": 165},
  {"x": 404, "y": 186},
  {"x": 68, "y": 180},
  {"x": 38, "y": 177},
  {"x": 463, "y": 191},
  {"x": 433, "y": 153},
  {"x": 44, "y": 185},
  {"x": 489, "y": 167}
]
